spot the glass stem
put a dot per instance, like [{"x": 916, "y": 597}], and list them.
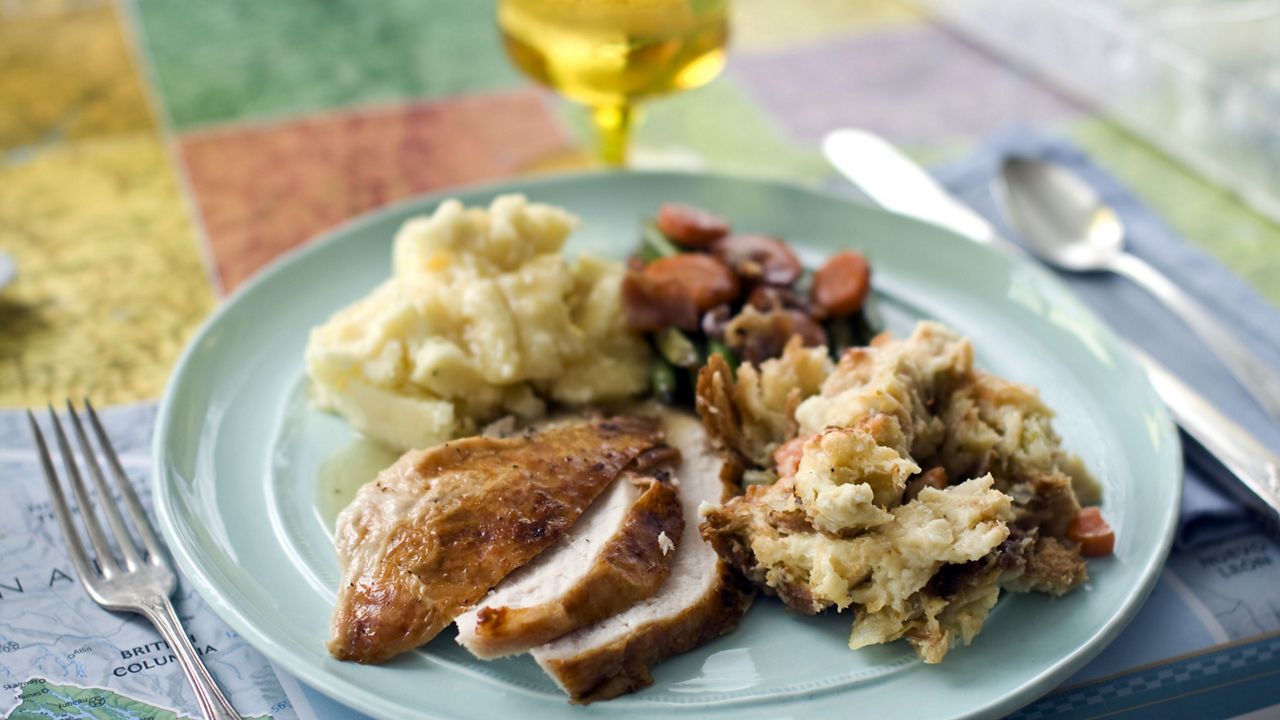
[{"x": 613, "y": 126}]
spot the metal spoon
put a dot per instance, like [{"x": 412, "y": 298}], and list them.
[{"x": 1066, "y": 224}]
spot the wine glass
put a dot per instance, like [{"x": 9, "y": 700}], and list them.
[{"x": 608, "y": 54}]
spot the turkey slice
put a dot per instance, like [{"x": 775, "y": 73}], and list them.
[
  {"x": 701, "y": 600},
  {"x": 618, "y": 553}
]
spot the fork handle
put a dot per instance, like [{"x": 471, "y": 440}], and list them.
[{"x": 160, "y": 612}]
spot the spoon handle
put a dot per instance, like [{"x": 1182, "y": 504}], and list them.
[{"x": 1253, "y": 374}]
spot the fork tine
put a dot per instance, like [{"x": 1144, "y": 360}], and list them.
[
  {"x": 106, "y": 560},
  {"x": 131, "y": 503},
  {"x": 123, "y": 539},
  {"x": 75, "y": 548}
]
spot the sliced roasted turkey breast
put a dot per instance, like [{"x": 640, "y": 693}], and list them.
[
  {"x": 616, "y": 554},
  {"x": 702, "y": 599},
  {"x": 441, "y": 527}
]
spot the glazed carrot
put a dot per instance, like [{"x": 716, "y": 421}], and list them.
[
  {"x": 690, "y": 226},
  {"x": 786, "y": 459},
  {"x": 704, "y": 279},
  {"x": 1092, "y": 532},
  {"x": 840, "y": 286},
  {"x": 650, "y": 305}
]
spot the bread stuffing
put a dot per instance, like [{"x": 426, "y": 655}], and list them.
[{"x": 910, "y": 489}]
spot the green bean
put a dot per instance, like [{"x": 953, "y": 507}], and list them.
[
  {"x": 662, "y": 380},
  {"x": 646, "y": 253},
  {"x": 676, "y": 347},
  {"x": 842, "y": 334},
  {"x": 759, "y": 477},
  {"x": 654, "y": 243},
  {"x": 803, "y": 284},
  {"x": 715, "y": 346}
]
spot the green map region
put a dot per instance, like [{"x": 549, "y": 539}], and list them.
[{"x": 42, "y": 699}]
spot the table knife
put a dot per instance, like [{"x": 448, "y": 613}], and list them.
[{"x": 896, "y": 183}]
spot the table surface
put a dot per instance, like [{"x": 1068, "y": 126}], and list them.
[{"x": 154, "y": 154}]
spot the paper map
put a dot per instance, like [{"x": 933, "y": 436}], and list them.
[{"x": 61, "y": 656}]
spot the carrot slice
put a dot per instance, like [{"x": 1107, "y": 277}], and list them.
[
  {"x": 841, "y": 285},
  {"x": 1095, "y": 536},
  {"x": 786, "y": 459},
  {"x": 708, "y": 281},
  {"x": 690, "y": 226},
  {"x": 651, "y": 304}
]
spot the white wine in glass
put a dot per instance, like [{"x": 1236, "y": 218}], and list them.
[{"x": 608, "y": 54}]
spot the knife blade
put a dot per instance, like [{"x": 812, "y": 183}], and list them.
[{"x": 897, "y": 183}]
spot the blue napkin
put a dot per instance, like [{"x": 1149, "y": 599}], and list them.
[{"x": 1208, "y": 513}]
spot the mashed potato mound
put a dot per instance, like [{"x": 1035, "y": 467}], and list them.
[{"x": 482, "y": 316}]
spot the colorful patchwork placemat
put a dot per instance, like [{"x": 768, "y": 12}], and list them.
[{"x": 154, "y": 154}]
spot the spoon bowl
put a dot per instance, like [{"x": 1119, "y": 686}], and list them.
[
  {"x": 1067, "y": 225},
  {"x": 1061, "y": 217}
]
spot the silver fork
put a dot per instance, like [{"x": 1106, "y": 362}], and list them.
[{"x": 142, "y": 584}]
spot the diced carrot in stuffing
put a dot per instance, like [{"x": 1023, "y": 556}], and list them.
[{"x": 1092, "y": 532}]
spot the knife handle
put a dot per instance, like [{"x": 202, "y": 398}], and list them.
[{"x": 1250, "y": 462}]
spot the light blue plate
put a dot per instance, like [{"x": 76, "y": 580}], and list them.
[{"x": 237, "y": 451}]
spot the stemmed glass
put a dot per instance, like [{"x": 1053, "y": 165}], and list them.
[{"x": 608, "y": 54}]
